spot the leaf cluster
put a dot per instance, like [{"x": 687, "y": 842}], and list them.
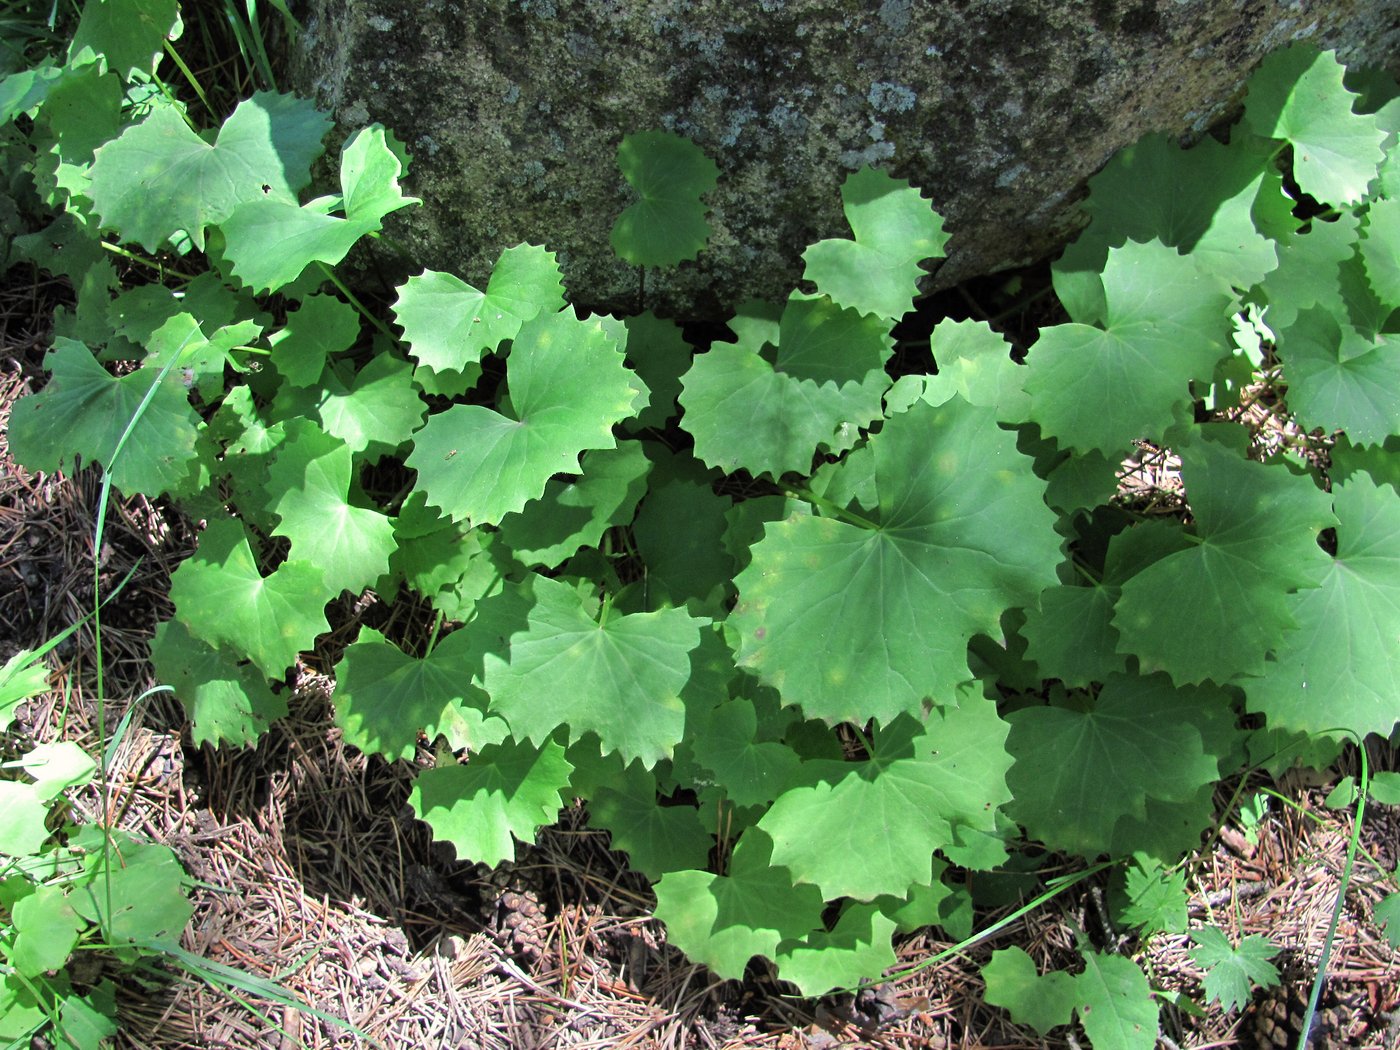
[
  {"x": 807, "y": 631},
  {"x": 70, "y": 888}
]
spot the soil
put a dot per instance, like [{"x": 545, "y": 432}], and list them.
[{"x": 310, "y": 871}]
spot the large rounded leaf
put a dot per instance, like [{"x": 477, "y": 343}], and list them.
[{"x": 852, "y": 619}]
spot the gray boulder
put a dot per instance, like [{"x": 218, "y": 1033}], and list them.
[{"x": 998, "y": 109}]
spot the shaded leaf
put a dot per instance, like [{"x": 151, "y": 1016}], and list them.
[
  {"x": 159, "y": 178},
  {"x": 670, "y": 174},
  {"x": 1043, "y": 1002}
]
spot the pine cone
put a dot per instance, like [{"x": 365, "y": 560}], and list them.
[{"x": 1276, "y": 1019}]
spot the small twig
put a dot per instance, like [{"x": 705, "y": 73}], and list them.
[
  {"x": 508, "y": 969},
  {"x": 1243, "y": 890}
]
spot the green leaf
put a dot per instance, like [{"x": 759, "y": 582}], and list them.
[
  {"x": 374, "y": 412},
  {"x": 21, "y": 1013},
  {"x": 1309, "y": 271},
  {"x": 26, "y": 90},
  {"x": 22, "y": 816},
  {"x": 56, "y": 767},
  {"x": 858, "y": 948},
  {"x": 144, "y": 882},
  {"x": 1298, "y": 95},
  {"x": 312, "y": 473},
  {"x": 656, "y": 838},
  {"x": 228, "y": 700},
  {"x": 960, "y": 536},
  {"x": 46, "y": 930},
  {"x": 160, "y": 178},
  {"x": 1340, "y": 379},
  {"x": 1387, "y": 182},
  {"x": 658, "y": 352},
  {"x": 1069, "y": 635},
  {"x": 1215, "y": 607},
  {"x": 1166, "y": 325},
  {"x": 625, "y": 674},
  {"x": 975, "y": 363},
  {"x": 1043, "y": 1002},
  {"x": 895, "y": 229},
  {"x": 224, "y": 600},
  {"x": 20, "y": 680},
  {"x": 201, "y": 350},
  {"x": 1115, "y": 1004},
  {"x": 862, "y": 829},
  {"x": 449, "y": 325},
  {"x": 84, "y": 411},
  {"x": 821, "y": 388},
  {"x": 1198, "y": 200},
  {"x": 1343, "y": 795},
  {"x": 1340, "y": 669},
  {"x": 269, "y": 240},
  {"x": 128, "y": 34},
  {"x": 384, "y": 698},
  {"x": 723, "y": 921},
  {"x": 322, "y": 326},
  {"x": 1387, "y": 916},
  {"x": 1157, "y": 899},
  {"x": 1233, "y": 973},
  {"x": 751, "y": 771},
  {"x": 670, "y": 174},
  {"x": 1080, "y": 770},
  {"x": 506, "y": 792},
  {"x": 1385, "y": 788},
  {"x": 1380, "y": 250},
  {"x": 568, "y": 388},
  {"x": 574, "y": 514}
]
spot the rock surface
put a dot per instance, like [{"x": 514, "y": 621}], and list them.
[{"x": 998, "y": 109}]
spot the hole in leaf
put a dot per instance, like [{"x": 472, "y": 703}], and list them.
[{"x": 1327, "y": 540}]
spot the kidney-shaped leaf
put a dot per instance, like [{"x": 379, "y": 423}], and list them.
[{"x": 568, "y": 387}]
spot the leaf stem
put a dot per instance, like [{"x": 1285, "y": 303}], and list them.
[
  {"x": 432, "y": 638},
  {"x": 1050, "y": 893},
  {"x": 1306, "y": 1027},
  {"x": 130, "y": 256},
  {"x": 353, "y": 301},
  {"x": 189, "y": 76},
  {"x": 835, "y": 510}
]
